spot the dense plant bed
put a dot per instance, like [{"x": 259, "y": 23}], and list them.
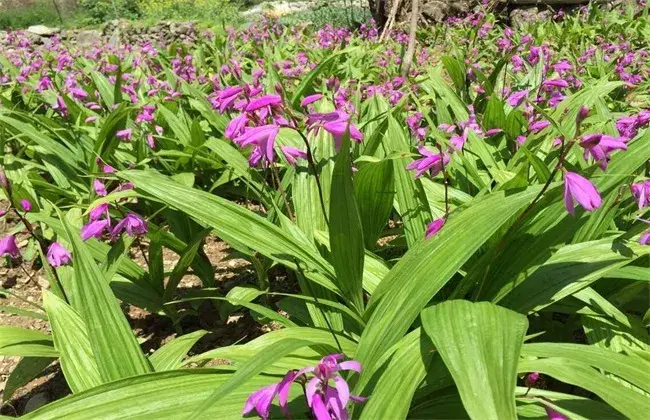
[{"x": 467, "y": 241}]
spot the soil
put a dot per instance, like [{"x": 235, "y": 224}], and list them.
[{"x": 26, "y": 282}]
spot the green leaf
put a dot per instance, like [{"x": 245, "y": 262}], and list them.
[
  {"x": 16, "y": 341},
  {"x": 230, "y": 220},
  {"x": 183, "y": 264},
  {"x": 249, "y": 369},
  {"x": 116, "y": 351},
  {"x": 374, "y": 187},
  {"x": 423, "y": 270},
  {"x": 570, "y": 269},
  {"x": 494, "y": 116},
  {"x": 629, "y": 402},
  {"x": 71, "y": 340},
  {"x": 346, "y": 234},
  {"x": 28, "y": 369},
  {"x": 162, "y": 395},
  {"x": 636, "y": 371},
  {"x": 480, "y": 345},
  {"x": 170, "y": 356},
  {"x": 406, "y": 370}
]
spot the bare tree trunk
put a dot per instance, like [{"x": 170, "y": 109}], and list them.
[
  {"x": 410, "y": 50},
  {"x": 391, "y": 19}
]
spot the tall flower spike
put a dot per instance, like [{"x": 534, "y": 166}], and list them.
[{"x": 581, "y": 190}]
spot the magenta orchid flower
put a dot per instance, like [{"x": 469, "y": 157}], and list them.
[
  {"x": 335, "y": 123},
  {"x": 291, "y": 154},
  {"x": 264, "y": 101},
  {"x": 263, "y": 138},
  {"x": 99, "y": 188},
  {"x": 57, "y": 255},
  {"x": 9, "y": 247},
  {"x": 600, "y": 146},
  {"x": 308, "y": 100},
  {"x": 327, "y": 393},
  {"x": 641, "y": 192},
  {"x": 133, "y": 224},
  {"x": 26, "y": 205},
  {"x": 125, "y": 135},
  {"x": 645, "y": 238},
  {"x": 98, "y": 212},
  {"x": 94, "y": 229},
  {"x": 554, "y": 415},
  {"x": 516, "y": 99},
  {"x": 261, "y": 400},
  {"x": 580, "y": 189},
  {"x": 433, "y": 162},
  {"x": 236, "y": 127},
  {"x": 538, "y": 126},
  {"x": 434, "y": 227}
]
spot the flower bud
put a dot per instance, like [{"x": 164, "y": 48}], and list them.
[
  {"x": 583, "y": 113},
  {"x": 532, "y": 378}
]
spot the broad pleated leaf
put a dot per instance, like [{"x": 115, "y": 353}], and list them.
[
  {"x": 116, "y": 351},
  {"x": 169, "y": 356},
  {"x": 480, "y": 345},
  {"x": 71, "y": 340},
  {"x": 374, "y": 188},
  {"x": 346, "y": 231},
  {"x": 162, "y": 395},
  {"x": 420, "y": 274},
  {"x": 402, "y": 377},
  {"x": 230, "y": 220},
  {"x": 629, "y": 402},
  {"x": 16, "y": 341}
]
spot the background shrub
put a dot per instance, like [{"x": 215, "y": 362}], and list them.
[{"x": 41, "y": 12}]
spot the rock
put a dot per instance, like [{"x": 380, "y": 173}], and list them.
[
  {"x": 42, "y": 281},
  {"x": 88, "y": 37},
  {"x": 42, "y": 30},
  {"x": 36, "y": 402}
]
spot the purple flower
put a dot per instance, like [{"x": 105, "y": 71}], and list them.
[
  {"x": 550, "y": 84},
  {"x": 2, "y": 213},
  {"x": 98, "y": 211},
  {"x": 133, "y": 225},
  {"x": 264, "y": 101},
  {"x": 335, "y": 123},
  {"x": 434, "y": 227},
  {"x": 600, "y": 146},
  {"x": 554, "y": 415},
  {"x": 60, "y": 106},
  {"x": 125, "y": 135},
  {"x": 581, "y": 190},
  {"x": 26, "y": 205},
  {"x": 626, "y": 126},
  {"x": 291, "y": 154},
  {"x": 583, "y": 113},
  {"x": 307, "y": 100},
  {"x": 90, "y": 119},
  {"x": 263, "y": 138},
  {"x": 641, "y": 192},
  {"x": 262, "y": 399},
  {"x": 538, "y": 126},
  {"x": 517, "y": 98},
  {"x": 236, "y": 127},
  {"x": 8, "y": 247},
  {"x": 94, "y": 229},
  {"x": 327, "y": 393},
  {"x": 532, "y": 378},
  {"x": 99, "y": 188},
  {"x": 324, "y": 399},
  {"x": 57, "y": 255},
  {"x": 645, "y": 238},
  {"x": 431, "y": 161}
]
